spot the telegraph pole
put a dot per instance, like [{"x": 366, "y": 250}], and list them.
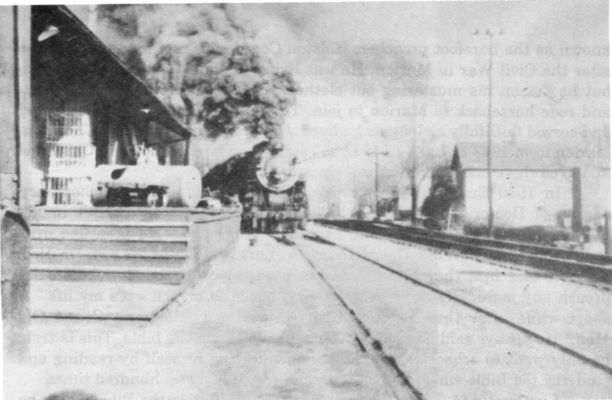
[
  {"x": 413, "y": 184},
  {"x": 376, "y": 154},
  {"x": 490, "y": 34}
]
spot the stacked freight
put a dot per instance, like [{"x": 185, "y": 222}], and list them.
[
  {"x": 72, "y": 158},
  {"x": 267, "y": 183}
]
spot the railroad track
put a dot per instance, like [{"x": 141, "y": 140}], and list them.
[
  {"x": 594, "y": 267},
  {"x": 397, "y": 379}
]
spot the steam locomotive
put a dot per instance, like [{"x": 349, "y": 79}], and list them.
[{"x": 269, "y": 186}]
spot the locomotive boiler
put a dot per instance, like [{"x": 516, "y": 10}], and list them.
[{"x": 268, "y": 184}]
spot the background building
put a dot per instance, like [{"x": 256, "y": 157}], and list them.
[{"x": 533, "y": 185}]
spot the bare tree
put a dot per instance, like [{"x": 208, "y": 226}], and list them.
[{"x": 419, "y": 162}]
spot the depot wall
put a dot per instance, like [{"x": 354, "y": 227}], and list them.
[{"x": 520, "y": 198}]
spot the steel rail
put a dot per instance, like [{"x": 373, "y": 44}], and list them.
[
  {"x": 396, "y": 380},
  {"x": 559, "y": 346},
  {"x": 577, "y": 264}
]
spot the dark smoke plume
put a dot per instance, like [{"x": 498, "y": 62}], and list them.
[{"x": 203, "y": 63}]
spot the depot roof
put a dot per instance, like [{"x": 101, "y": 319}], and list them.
[{"x": 75, "y": 50}]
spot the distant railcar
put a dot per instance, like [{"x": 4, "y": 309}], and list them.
[{"x": 269, "y": 186}]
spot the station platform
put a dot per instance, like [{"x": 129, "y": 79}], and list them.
[
  {"x": 259, "y": 326},
  {"x": 121, "y": 262},
  {"x": 99, "y": 300}
]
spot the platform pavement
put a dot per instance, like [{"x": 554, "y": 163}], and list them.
[
  {"x": 259, "y": 326},
  {"x": 105, "y": 300}
]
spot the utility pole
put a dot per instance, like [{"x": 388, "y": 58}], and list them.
[
  {"x": 490, "y": 34},
  {"x": 376, "y": 154},
  {"x": 15, "y": 207},
  {"x": 413, "y": 183}
]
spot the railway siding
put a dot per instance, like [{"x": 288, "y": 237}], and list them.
[
  {"x": 448, "y": 350},
  {"x": 576, "y": 316},
  {"x": 596, "y": 267}
]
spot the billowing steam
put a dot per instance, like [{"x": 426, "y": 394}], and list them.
[{"x": 202, "y": 61}]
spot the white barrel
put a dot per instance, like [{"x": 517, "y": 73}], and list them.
[{"x": 184, "y": 183}]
